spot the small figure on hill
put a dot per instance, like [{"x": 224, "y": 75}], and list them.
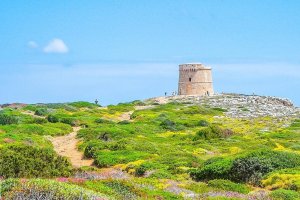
[
  {"x": 165, "y": 94},
  {"x": 96, "y": 101}
]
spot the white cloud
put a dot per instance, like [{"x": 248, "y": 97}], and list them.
[
  {"x": 32, "y": 44},
  {"x": 56, "y": 46}
]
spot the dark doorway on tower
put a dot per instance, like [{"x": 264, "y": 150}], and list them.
[{"x": 190, "y": 79}]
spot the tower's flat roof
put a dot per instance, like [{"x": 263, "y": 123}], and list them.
[
  {"x": 196, "y": 65},
  {"x": 191, "y": 64}
]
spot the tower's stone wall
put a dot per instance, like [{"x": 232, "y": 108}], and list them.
[{"x": 195, "y": 79}]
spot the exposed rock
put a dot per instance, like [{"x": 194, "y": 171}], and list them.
[{"x": 238, "y": 105}]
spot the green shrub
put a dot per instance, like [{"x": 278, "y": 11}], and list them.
[
  {"x": 124, "y": 190},
  {"x": 29, "y": 161},
  {"x": 103, "y": 121},
  {"x": 38, "y": 120},
  {"x": 284, "y": 180},
  {"x": 52, "y": 118},
  {"x": 253, "y": 166},
  {"x": 45, "y": 189},
  {"x": 41, "y": 112},
  {"x": 250, "y": 167},
  {"x": 106, "y": 158},
  {"x": 203, "y": 123},
  {"x": 282, "y": 194},
  {"x": 168, "y": 124},
  {"x": 140, "y": 171},
  {"x": 220, "y": 109},
  {"x": 93, "y": 147},
  {"x": 8, "y": 184},
  {"x": 117, "y": 145},
  {"x": 220, "y": 169},
  {"x": 213, "y": 131},
  {"x": 6, "y": 119},
  {"x": 39, "y": 129},
  {"x": 70, "y": 121},
  {"x": 124, "y": 122},
  {"x": 228, "y": 186}
]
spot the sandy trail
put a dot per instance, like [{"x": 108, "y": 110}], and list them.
[{"x": 67, "y": 146}]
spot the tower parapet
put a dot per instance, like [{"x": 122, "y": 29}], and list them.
[{"x": 195, "y": 79}]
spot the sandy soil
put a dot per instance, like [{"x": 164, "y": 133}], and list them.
[
  {"x": 67, "y": 146},
  {"x": 125, "y": 116}
]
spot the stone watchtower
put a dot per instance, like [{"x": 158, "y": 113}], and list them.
[{"x": 195, "y": 79}]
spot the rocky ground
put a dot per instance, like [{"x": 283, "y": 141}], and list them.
[{"x": 238, "y": 105}]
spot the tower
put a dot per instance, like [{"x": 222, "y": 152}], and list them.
[{"x": 195, "y": 79}]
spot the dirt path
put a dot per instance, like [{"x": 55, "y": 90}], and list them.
[{"x": 67, "y": 146}]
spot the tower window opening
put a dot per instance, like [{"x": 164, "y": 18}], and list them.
[{"x": 190, "y": 79}]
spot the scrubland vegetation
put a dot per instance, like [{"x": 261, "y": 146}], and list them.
[{"x": 170, "y": 151}]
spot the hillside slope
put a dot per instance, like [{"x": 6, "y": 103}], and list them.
[{"x": 219, "y": 147}]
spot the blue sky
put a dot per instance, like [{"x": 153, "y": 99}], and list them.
[{"x": 58, "y": 50}]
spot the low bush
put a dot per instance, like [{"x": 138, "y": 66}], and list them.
[
  {"x": 45, "y": 189},
  {"x": 29, "y": 161},
  {"x": 124, "y": 190},
  {"x": 220, "y": 169},
  {"x": 213, "y": 131},
  {"x": 38, "y": 120},
  {"x": 103, "y": 121},
  {"x": 117, "y": 145},
  {"x": 229, "y": 186},
  {"x": 250, "y": 167},
  {"x": 282, "y": 194},
  {"x": 6, "y": 119},
  {"x": 108, "y": 158},
  {"x": 140, "y": 171},
  {"x": 203, "y": 123},
  {"x": 70, "y": 121},
  {"x": 168, "y": 124},
  {"x": 283, "y": 179},
  {"x": 93, "y": 147},
  {"x": 253, "y": 166},
  {"x": 52, "y": 129},
  {"x": 52, "y": 118},
  {"x": 220, "y": 109},
  {"x": 41, "y": 112},
  {"x": 124, "y": 122}
]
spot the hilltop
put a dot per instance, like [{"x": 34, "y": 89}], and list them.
[
  {"x": 238, "y": 105},
  {"x": 177, "y": 147}
]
